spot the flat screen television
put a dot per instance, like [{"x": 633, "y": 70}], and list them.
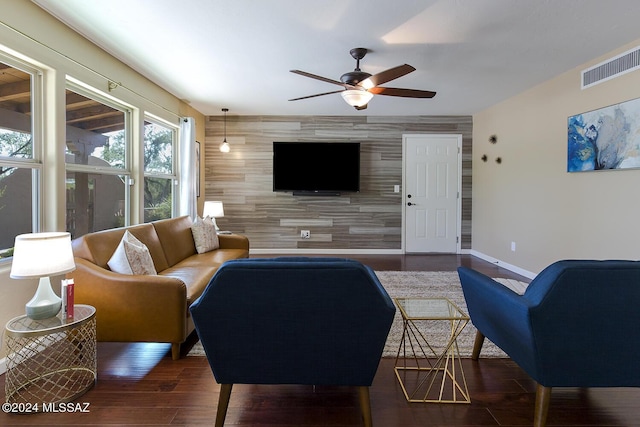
[{"x": 316, "y": 168}]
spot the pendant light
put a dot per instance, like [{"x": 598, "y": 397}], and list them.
[{"x": 224, "y": 147}]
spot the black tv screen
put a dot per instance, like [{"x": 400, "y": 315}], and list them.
[{"x": 316, "y": 167}]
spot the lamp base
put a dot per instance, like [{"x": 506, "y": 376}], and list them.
[{"x": 45, "y": 303}]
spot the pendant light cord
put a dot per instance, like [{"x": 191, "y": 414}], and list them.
[{"x": 225, "y": 123}]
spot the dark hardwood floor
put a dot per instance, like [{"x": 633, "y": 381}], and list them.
[{"x": 139, "y": 384}]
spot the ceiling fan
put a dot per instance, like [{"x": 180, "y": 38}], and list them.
[{"x": 359, "y": 86}]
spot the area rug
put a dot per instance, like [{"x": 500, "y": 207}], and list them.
[
  {"x": 431, "y": 284},
  {"x": 424, "y": 284}
]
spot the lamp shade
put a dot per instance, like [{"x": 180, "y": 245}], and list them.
[
  {"x": 356, "y": 98},
  {"x": 214, "y": 209},
  {"x": 42, "y": 254}
]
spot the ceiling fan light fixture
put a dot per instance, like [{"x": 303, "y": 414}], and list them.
[
  {"x": 356, "y": 98},
  {"x": 367, "y": 84}
]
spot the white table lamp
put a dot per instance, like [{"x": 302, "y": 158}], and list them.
[
  {"x": 40, "y": 255},
  {"x": 213, "y": 209}
]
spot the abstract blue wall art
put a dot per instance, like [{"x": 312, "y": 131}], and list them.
[{"x": 607, "y": 138}]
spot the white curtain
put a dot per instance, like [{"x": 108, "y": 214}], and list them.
[{"x": 188, "y": 201}]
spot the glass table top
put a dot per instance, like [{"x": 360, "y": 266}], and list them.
[
  {"x": 23, "y": 324},
  {"x": 429, "y": 309}
]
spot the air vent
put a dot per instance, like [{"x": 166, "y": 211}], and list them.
[{"x": 611, "y": 68}]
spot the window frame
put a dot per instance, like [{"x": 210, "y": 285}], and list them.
[
  {"x": 34, "y": 163},
  {"x": 175, "y": 180},
  {"x": 126, "y": 172}
]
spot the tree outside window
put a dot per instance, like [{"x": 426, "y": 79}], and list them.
[{"x": 159, "y": 143}]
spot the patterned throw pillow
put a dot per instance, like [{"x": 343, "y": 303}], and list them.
[
  {"x": 131, "y": 257},
  {"x": 204, "y": 235}
]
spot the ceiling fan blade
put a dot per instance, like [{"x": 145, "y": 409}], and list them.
[
  {"x": 404, "y": 93},
  {"x": 324, "y": 79},
  {"x": 319, "y": 94},
  {"x": 386, "y": 76}
]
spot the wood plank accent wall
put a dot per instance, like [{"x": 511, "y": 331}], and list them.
[{"x": 368, "y": 221}]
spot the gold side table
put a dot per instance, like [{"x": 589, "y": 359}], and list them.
[
  {"x": 51, "y": 360},
  {"x": 431, "y": 371}
]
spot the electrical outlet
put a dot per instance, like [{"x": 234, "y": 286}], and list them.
[
  {"x": 513, "y": 246},
  {"x": 305, "y": 234}
]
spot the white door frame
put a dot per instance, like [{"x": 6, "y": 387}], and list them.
[{"x": 404, "y": 191}]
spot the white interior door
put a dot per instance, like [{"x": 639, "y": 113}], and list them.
[{"x": 431, "y": 193}]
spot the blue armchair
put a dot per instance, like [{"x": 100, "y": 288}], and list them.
[
  {"x": 294, "y": 320},
  {"x": 575, "y": 326}
]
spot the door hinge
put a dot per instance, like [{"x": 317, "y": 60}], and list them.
[{"x": 457, "y": 239}]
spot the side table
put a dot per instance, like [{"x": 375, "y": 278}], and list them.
[
  {"x": 430, "y": 370},
  {"x": 51, "y": 360}
]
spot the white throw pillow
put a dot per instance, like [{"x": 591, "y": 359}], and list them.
[
  {"x": 204, "y": 235},
  {"x": 131, "y": 257}
]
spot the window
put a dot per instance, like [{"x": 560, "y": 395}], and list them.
[
  {"x": 159, "y": 170},
  {"x": 19, "y": 153},
  {"x": 98, "y": 171}
]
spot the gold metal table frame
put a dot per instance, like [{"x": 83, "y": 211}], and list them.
[
  {"x": 428, "y": 371},
  {"x": 51, "y": 360}
]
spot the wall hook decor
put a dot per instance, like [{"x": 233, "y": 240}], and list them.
[
  {"x": 112, "y": 85},
  {"x": 498, "y": 160},
  {"x": 484, "y": 157},
  {"x": 493, "y": 139}
]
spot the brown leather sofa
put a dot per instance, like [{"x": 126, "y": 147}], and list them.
[{"x": 148, "y": 308}]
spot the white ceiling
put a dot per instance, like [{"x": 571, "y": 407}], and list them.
[{"x": 237, "y": 53}]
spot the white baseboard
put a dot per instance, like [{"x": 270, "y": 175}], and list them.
[
  {"x": 326, "y": 251},
  {"x": 337, "y": 251},
  {"x": 502, "y": 264},
  {"x": 3, "y": 365}
]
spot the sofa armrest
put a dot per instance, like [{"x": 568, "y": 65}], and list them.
[
  {"x": 233, "y": 241},
  {"x": 151, "y": 308}
]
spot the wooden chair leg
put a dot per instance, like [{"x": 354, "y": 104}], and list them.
[
  {"x": 477, "y": 345},
  {"x": 543, "y": 397},
  {"x": 365, "y": 405},
  {"x": 175, "y": 350},
  {"x": 223, "y": 404}
]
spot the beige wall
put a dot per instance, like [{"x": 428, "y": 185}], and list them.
[
  {"x": 530, "y": 199},
  {"x": 27, "y": 30}
]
